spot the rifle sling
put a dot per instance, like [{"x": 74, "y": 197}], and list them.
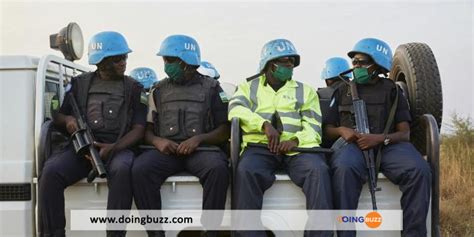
[{"x": 388, "y": 124}]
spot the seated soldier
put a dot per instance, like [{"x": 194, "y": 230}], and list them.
[
  {"x": 274, "y": 95},
  {"x": 399, "y": 161},
  {"x": 110, "y": 102},
  {"x": 330, "y": 74},
  {"x": 186, "y": 110}
]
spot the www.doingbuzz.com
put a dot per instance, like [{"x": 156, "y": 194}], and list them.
[
  {"x": 142, "y": 220},
  {"x": 278, "y": 220}
]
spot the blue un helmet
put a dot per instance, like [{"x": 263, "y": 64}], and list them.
[
  {"x": 334, "y": 66},
  {"x": 106, "y": 44},
  {"x": 183, "y": 47},
  {"x": 378, "y": 50},
  {"x": 146, "y": 76},
  {"x": 276, "y": 49},
  {"x": 207, "y": 69}
]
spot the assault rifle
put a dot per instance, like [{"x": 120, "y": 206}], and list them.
[
  {"x": 362, "y": 126},
  {"x": 83, "y": 142}
]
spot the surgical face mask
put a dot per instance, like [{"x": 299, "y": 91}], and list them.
[
  {"x": 174, "y": 71},
  {"x": 282, "y": 73},
  {"x": 361, "y": 75}
]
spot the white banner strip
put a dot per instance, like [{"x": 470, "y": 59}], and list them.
[{"x": 277, "y": 220}]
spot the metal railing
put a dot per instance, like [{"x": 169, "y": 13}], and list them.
[{"x": 57, "y": 70}]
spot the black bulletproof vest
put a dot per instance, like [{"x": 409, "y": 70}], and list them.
[
  {"x": 108, "y": 103},
  {"x": 105, "y": 108},
  {"x": 378, "y": 101},
  {"x": 325, "y": 95},
  {"x": 184, "y": 110}
]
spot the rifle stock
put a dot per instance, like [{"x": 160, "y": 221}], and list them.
[{"x": 83, "y": 143}]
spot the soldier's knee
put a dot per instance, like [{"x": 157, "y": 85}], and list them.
[
  {"x": 50, "y": 179},
  {"x": 246, "y": 175},
  {"x": 324, "y": 172},
  {"x": 49, "y": 172},
  {"x": 121, "y": 168},
  {"x": 349, "y": 159},
  {"x": 344, "y": 165},
  {"x": 219, "y": 169},
  {"x": 322, "y": 169},
  {"x": 120, "y": 165},
  {"x": 140, "y": 168},
  {"x": 423, "y": 169},
  {"x": 245, "y": 168}
]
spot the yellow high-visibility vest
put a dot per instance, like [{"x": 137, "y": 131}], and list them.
[{"x": 296, "y": 104}]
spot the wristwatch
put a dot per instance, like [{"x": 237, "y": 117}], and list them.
[{"x": 386, "y": 141}]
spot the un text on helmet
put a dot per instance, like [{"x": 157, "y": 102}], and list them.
[{"x": 382, "y": 49}]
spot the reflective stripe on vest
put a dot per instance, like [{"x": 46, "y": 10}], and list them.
[
  {"x": 253, "y": 93},
  {"x": 239, "y": 101},
  {"x": 299, "y": 96},
  {"x": 287, "y": 127},
  {"x": 311, "y": 114}
]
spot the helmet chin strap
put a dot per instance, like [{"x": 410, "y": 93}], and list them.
[
  {"x": 185, "y": 66},
  {"x": 374, "y": 73},
  {"x": 188, "y": 72},
  {"x": 377, "y": 72}
]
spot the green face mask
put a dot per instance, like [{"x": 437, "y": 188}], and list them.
[
  {"x": 282, "y": 73},
  {"x": 361, "y": 75},
  {"x": 174, "y": 71}
]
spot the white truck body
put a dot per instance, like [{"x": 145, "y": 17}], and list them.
[{"x": 27, "y": 85}]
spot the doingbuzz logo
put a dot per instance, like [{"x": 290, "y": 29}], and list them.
[{"x": 372, "y": 219}]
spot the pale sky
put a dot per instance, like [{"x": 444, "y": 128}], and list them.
[{"x": 231, "y": 34}]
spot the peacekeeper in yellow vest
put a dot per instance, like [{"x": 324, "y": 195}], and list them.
[{"x": 283, "y": 113}]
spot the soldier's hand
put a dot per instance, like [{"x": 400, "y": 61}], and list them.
[
  {"x": 105, "y": 149},
  {"x": 287, "y": 146},
  {"x": 349, "y": 134},
  {"x": 187, "y": 147},
  {"x": 273, "y": 137},
  {"x": 367, "y": 141},
  {"x": 71, "y": 124},
  {"x": 165, "y": 146}
]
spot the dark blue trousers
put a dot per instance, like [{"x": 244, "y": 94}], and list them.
[
  {"x": 64, "y": 169},
  {"x": 152, "y": 168},
  {"x": 402, "y": 164},
  {"x": 256, "y": 173}
]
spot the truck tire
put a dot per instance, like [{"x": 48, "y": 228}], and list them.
[{"x": 415, "y": 70}]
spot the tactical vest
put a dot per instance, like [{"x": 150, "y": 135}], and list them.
[
  {"x": 377, "y": 98},
  {"x": 107, "y": 108},
  {"x": 325, "y": 95},
  {"x": 184, "y": 110}
]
